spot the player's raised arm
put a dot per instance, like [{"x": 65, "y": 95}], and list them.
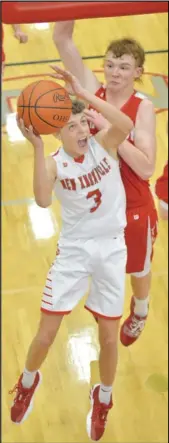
[
  {"x": 121, "y": 124},
  {"x": 142, "y": 157},
  {"x": 45, "y": 172},
  {"x": 70, "y": 56}
]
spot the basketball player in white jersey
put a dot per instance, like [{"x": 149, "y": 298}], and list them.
[{"x": 84, "y": 174}]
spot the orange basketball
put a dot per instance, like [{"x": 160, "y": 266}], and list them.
[{"x": 45, "y": 105}]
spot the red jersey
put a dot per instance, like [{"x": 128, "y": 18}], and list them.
[
  {"x": 161, "y": 187},
  {"x": 138, "y": 192}
]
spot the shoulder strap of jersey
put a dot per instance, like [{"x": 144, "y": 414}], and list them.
[
  {"x": 54, "y": 154},
  {"x": 101, "y": 92},
  {"x": 130, "y": 108}
]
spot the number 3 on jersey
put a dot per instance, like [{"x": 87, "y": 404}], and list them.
[{"x": 97, "y": 199}]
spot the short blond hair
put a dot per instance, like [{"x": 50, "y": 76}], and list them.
[{"x": 127, "y": 46}]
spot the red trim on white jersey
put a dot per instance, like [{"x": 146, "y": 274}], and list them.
[
  {"x": 79, "y": 159},
  {"x": 55, "y": 153},
  {"x": 102, "y": 316}
]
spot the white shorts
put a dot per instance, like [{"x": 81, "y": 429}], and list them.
[{"x": 104, "y": 260}]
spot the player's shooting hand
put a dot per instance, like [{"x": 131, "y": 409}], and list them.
[
  {"x": 97, "y": 119},
  {"x": 70, "y": 80},
  {"x": 33, "y": 138}
]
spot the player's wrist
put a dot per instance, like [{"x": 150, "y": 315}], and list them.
[
  {"x": 83, "y": 94},
  {"x": 38, "y": 145}
]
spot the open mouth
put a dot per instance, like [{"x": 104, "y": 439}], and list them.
[
  {"x": 114, "y": 82},
  {"x": 82, "y": 142}
]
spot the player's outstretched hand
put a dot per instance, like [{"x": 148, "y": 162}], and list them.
[
  {"x": 21, "y": 36},
  {"x": 97, "y": 119},
  {"x": 69, "y": 79},
  {"x": 33, "y": 138}
]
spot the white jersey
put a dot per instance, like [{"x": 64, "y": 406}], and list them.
[{"x": 91, "y": 193}]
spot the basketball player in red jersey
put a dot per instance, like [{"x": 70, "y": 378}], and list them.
[
  {"x": 123, "y": 64},
  {"x": 85, "y": 176},
  {"x": 161, "y": 190}
]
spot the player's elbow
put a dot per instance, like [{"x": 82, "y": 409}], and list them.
[
  {"x": 123, "y": 131},
  {"x": 128, "y": 127},
  {"x": 147, "y": 174},
  {"x": 43, "y": 203},
  {"x": 57, "y": 38},
  {"x": 62, "y": 32}
]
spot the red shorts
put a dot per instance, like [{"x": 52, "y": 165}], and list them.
[{"x": 140, "y": 234}]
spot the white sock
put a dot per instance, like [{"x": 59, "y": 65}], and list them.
[
  {"x": 141, "y": 307},
  {"x": 105, "y": 394},
  {"x": 28, "y": 378}
]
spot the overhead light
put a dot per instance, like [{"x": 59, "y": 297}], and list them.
[{"x": 40, "y": 26}]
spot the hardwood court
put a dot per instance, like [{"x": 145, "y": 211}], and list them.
[{"x": 29, "y": 236}]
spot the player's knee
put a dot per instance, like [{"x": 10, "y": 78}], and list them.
[
  {"x": 108, "y": 342},
  {"x": 108, "y": 333},
  {"x": 46, "y": 337}
]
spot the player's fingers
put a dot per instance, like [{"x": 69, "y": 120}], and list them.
[
  {"x": 19, "y": 122},
  {"x": 32, "y": 133},
  {"x": 58, "y": 76},
  {"x": 91, "y": 119},
  {"x": 88, "y": 112},
  {"x": 30, "y": 130},
  {"x": 17, "y": 119},
  {"x": 57, "y": 69},
  {"x": 91, "y": 112},
  {"x": 22, "y": 127},
  {"x": 90, "y": 115}
]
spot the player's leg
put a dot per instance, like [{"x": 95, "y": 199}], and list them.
[
  {"x": 106, "y": 301},
  {"x": 31, "y": 377},
  {"x": 44, "y": 338},
  {"x": 139, "y": 239},
  {"x": 66, "y": 283},
  {"x": 141, "y": 288},
  {"x": 108, "y": 338},
  {"x": 101, "y": 394}
]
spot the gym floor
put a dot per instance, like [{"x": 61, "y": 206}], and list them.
[{"x": 29, "y": 237}]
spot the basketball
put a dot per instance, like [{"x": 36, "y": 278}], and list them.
[{"x": 45, "y": 105}]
